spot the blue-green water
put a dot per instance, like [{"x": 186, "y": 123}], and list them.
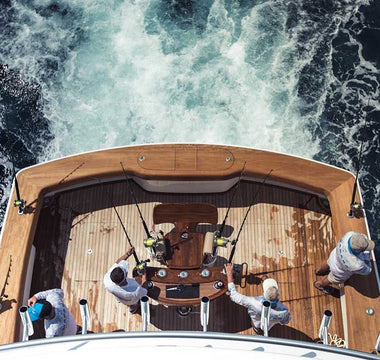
[{"x": 293, "y": 76}]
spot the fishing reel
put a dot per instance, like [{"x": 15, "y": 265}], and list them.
[
  {"x": 156, "y": 246},
  {"x": 140, "y": 268},
  {"x": 211, "y": 244},
  {"x": 222, "y": 242},
  {"x": 20, "y": 203},
  {"x": 356, "y": 210}
]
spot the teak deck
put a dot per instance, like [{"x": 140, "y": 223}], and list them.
[
  {"x": 79, "y": 238},
  {"x": 290, "y": 261}
]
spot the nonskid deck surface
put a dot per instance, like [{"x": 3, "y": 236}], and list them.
[{"x": 286, "y": 236}]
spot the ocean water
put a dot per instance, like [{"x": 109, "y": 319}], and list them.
[{"x": 297, "y": 76}]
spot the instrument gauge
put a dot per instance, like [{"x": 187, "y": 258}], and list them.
[
  {"x": 161, "y": 273},
  {"x": 205, "y": 273},
  {"x": 183, "y": 274}
]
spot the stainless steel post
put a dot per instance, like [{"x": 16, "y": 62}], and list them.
[
  {"x": 265, "y": 315},
  {"x": 205, "y": 311},
  {"x": 324, "y": 327},
  {"x": 85, "y": 315},
  {"x": 26, "y": 322},
  {"x": 145, "y": 312},
  {"x": 377, "y": 345}
]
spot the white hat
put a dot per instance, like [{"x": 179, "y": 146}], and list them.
[
  {"x": 360, "y": 242},
  {"x": 269, "y": 283}
]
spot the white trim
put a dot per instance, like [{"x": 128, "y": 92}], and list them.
[
  {"x": 6, "y": 211},
  {"x": 28, "y": 281},
  {"x": 185, "y": 186},
  {"x": 369, "y": 236},
  {"x": 343, "y": 306}
]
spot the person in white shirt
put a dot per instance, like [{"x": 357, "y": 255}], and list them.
[
  {"x": 126, "y": 290},
  {"x": 351, "y": 256},
  {"x": 279, "y": 312},
  {"x": 48, "y": 305}
]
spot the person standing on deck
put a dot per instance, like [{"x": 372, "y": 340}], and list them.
[
  {"x": 279, "y": 312},
  {"x": 126, "y": 290},
  {"x": 48, "y": 305},
  {"x": 351, "y": 256}
]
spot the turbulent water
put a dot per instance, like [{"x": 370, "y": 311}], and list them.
[{"x": 301, "y": 77}]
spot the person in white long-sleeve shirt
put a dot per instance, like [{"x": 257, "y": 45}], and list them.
[
  {"x": 126, "y": 290},
  {"x": 254, "y": 304},
  {"x": 48, "y": 305},
  {"x": 351, "y": 256}
]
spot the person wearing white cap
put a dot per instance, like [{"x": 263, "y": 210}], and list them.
[
  {"x": 350, "y": 256},
  {"x": 48, "y": 305},
  {"x": 126, "y": 290},
  {"x": 279, "y": 312}
]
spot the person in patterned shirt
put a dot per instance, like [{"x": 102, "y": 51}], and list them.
[
  {"x": 351, "y": 256},
  {"x": 48, "y": 305}
]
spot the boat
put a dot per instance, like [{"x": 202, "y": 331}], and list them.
[{"x": 73, "y": 216}]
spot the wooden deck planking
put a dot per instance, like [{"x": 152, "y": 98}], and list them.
[{"x": 277, "y": 239}]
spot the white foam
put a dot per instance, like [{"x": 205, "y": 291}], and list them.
[
  {"x": 235, "y": 81},
  {"x": 121, "y": 86}
]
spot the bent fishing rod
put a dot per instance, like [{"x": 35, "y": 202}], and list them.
[
  {"x": 246, "y": 215},
  {"x": 137, "y": 205},
  {"x": 220, "y": 231}
]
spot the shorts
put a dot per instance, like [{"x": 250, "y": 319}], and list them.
[{"x": 333, "y": 279}]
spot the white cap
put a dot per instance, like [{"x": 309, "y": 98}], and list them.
[{"x": 270, "y": 283}]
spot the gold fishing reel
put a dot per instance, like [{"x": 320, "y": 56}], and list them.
[
  {"x": 220, "y": 242},
  {"x": 156, "y": 247},
  {"x": 149, "y": 242}
]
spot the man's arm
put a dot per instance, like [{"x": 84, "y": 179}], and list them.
[
  {"x": 126, "y": 255},
  {"x": 247, "y": 301},
  {"x": 44, "y": 294}
]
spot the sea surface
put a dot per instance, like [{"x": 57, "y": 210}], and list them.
[{"x": 300, "y": 77}]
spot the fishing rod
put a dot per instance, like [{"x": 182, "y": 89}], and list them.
[
  {"x": 140, "y": 265},
  {"x": 126, "y": 234},
  {"x": 137, "y": 205},
  {"x": 18, "y": 202},
  {"x": 246, "y": 215},
  {"x": 356, "y": 207},
  {"x": 218, "y": 240},
  {"x": 220, "y": 231}
]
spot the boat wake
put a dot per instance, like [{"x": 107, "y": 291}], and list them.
[{"x": 291, "y": 76}]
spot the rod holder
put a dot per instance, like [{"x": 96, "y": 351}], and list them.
[
  {"x": 145, "y": 312},
  {"x": 324, "y": 327},
  {"x": 85, "y": 315},
  {"x": 205, "y": 312},
  {"x": 265, "y": 315},
  {"x": 26, "y": 322}
]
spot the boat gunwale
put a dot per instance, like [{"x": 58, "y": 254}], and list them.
[
  {"x": 184, "y": 144},
  {"x": 334, "y": 195}
]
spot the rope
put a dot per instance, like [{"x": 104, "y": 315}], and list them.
[{"x": 334, "y": 340}]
